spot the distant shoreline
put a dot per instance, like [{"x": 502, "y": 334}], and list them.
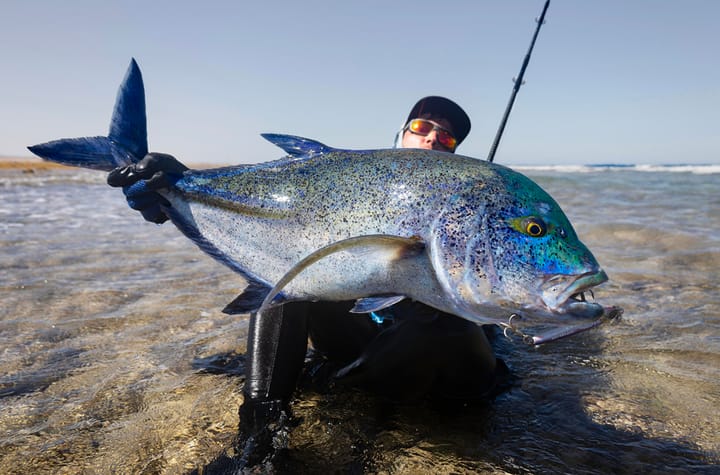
[
  {"x": 27, "y": 164},
  {"x": 31, "y": 164}
]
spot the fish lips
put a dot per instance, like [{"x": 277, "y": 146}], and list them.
[{"x": 564, "y": 294}]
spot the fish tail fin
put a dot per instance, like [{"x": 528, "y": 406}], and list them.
[{"x": 126, "y": 141}]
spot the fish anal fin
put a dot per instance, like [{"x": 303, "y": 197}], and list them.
[{"x": 249, "y": 300}]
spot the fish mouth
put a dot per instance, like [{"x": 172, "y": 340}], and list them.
[
  {"x": 570, "y": 312},
  {"x": 565, "y": 294}
]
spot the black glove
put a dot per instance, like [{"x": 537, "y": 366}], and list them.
[{"x": 142, "y": 180}]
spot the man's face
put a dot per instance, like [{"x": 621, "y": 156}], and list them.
[{"x": 429, "y": 141}]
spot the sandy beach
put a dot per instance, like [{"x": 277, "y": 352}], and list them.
[
  {"x": 33, "y": 164},
  {"x": 27, "y": 164}
]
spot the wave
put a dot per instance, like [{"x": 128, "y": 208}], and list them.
[{"x": 703, "y": 169}]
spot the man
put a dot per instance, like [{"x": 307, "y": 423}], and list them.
[
  {"x": 450, "y": 125},
  {"x": 405, "y": 352},
  {"x": 409, "y": 350}
]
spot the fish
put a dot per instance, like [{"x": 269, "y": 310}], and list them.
[{"x": 465, "y": 236}]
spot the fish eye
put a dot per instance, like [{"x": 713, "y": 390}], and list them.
[
  {"x": 529, "y": 225},
  {"x": 534, "y": 227}
]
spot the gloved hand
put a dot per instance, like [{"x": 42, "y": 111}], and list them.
[{"x": 142, "y": 180}]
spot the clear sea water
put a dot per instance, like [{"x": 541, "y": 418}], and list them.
[{"x": 115, "y": 357}]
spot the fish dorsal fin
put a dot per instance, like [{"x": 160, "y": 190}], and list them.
[
  {"x": 374, "y": 304},
  {"x": 401, "y": 247},
  {"x": 128, "y": 126},
  {"x": 298, "y": 147}
]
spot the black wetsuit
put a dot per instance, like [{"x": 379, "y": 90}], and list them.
[{"x": 415, "y": 351}]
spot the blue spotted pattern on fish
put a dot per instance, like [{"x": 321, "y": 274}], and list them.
[{"x": 332, "y": 224}]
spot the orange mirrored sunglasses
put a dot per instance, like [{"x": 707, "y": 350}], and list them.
[{"x": 424, "y": 127}]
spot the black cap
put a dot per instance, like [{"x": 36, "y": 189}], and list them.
[{"x": 442, "y": 107}]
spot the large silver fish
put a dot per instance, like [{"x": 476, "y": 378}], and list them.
[{"x": 465, "y": 236}]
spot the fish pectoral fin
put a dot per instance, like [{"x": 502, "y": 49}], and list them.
[
  {"x": 395, "y": 247},
  {"x": 249, "y": 300},
  {"x": 374, "y": 304}
]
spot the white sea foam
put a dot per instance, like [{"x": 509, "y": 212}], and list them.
[{"x": 702, "y": 169}]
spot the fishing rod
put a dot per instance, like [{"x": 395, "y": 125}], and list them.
[{"x": 517, "y": 83}]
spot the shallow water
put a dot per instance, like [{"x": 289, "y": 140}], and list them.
[{"x": 113, "y": 346}]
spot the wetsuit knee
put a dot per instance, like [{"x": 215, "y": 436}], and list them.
[
  {"x": 437, "y": 355},
  {"x": 337, "y": 334}
]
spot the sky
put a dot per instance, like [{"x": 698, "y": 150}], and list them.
[{"x": 610, "y": 81}]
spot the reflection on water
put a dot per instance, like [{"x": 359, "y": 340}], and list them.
[{"x": 117, "y": 359}]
